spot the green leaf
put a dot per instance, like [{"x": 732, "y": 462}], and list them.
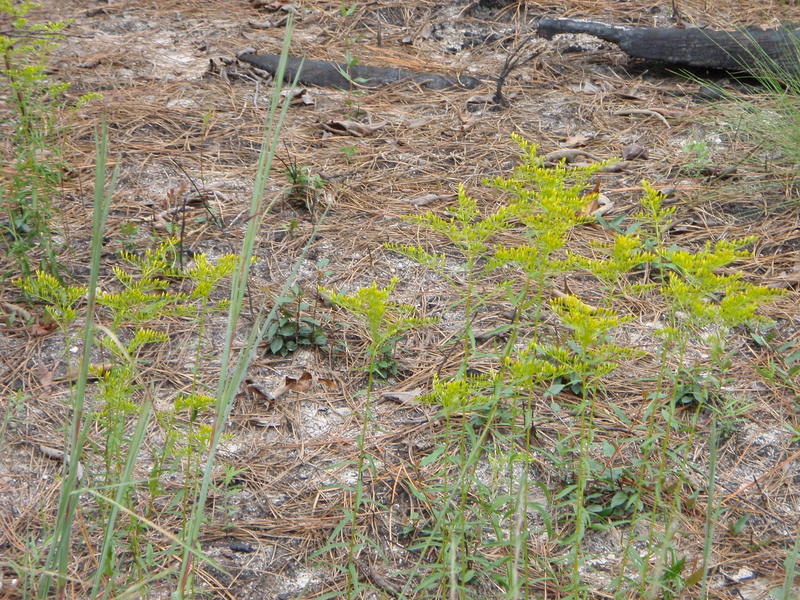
[
  {"x": 619, "y": 499},
  {"x": 694, "y": 578},
  {"x": 555, "y": 389},
  {"x": 793, "y": 357},
  {"x": 608, "y": 449},
  {"x": 275, "y": 345},
  {"x": 737, "y": 527},
  {"x": 433, "y": 456}
]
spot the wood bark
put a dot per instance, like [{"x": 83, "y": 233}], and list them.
[{"x": 751, "y": 50}]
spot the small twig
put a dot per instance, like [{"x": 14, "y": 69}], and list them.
[
  {"x": 642, "y": 111},
  {"x": 42, "y": 35},
  {"x": 513, "y": 61}
]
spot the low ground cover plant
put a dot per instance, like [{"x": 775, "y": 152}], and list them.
[{"x": 480, "y": 501}]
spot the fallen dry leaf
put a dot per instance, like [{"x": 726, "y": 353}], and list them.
[
  {"x": 587, "y": 87},
  {"x": 569, "y": 155},
  {"x": 604, "y": 204},
  {"x": 16, "y": 310},
  {"x": 790, "y": 278},
  {"x": 273, "y": 423},
  {"x": 47, "y": 376},
  {"x": 630, "y": 95},
  {"x": 574, "y": 141},
  {"x": 635, "y": 152},
  {"x": 593, "y": 205},
  {"x": 327, "y": 382},
  {"x": 299, "y": 384},
  {"x": 403, "y": 397},
  {"x": 299, "y": 96},
  {"x": 56, "y": 454},
  {"x": 267, "y": 4},
  {"x": 615, "y": 167},
  {"x": 353, "y": 128},
  {"x": 255, "y": 389},
  {"x": 481, "y": 99},
  {"x": 426, "y": 199}
]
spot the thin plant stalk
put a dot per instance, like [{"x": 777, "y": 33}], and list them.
[
  {"x": 119, "y": 498},
  {"x": 711, "y": 511},
  {"x": 60, "y": 545},
  {"x": 229, "y": 382},
  {"x": 790, "y": 569}
]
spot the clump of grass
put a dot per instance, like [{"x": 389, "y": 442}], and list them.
[
  {"x": 775, "y": 124},
  {"x": 767, "y": 117}
]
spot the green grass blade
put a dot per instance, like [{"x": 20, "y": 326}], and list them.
[
  {"x": 125, "y": 484},
  {"x": 59, "y": 550},
  {"x": 229, "y": 382}
]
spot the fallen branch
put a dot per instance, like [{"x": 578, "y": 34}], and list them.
[
  {"x": 345, "y": 76},
  {"x": 751, "y": 49}
]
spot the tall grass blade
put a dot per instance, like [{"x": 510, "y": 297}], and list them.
[
  {"x": 230, "y": 381},
  {"x": 58, "y": 554},
  {"x": 119, "y": 498}
]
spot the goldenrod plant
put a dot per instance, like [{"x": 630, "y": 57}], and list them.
[
  {"x": 386, "y": 322},
  {"x": 563, "y": 370},
  {"x": 32, "y": 130},
  {"x": 144, "y": 291},
  {"x": 112, "y": 402}
]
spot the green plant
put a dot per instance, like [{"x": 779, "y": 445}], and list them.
[
  {"x": 698, "y": 153},
  {"x": 14, "y": 409},
  {"x": 782, "y": 366},
  {"x": 129, "y": 231},
  {"x": 772, "y": 119},
  {"x": 546, "y": 205},
  {"x": 145, "y": 291},
  {"x": 698, "y": 299},
  {"x": 304, "y": 186},
  {"x": 386, "y": 322},
  {"x": 112, "y": 415},
  {"x": 348, "y": 151},
  {"x": 351, "y": 61},
  {"x": 58, "y": 555},
  {"x": 234, "y": 366},
  {"x": 33, "y": 151},
  {"x": 293, "y": 328},
  {"x": 347, "y": 11}
]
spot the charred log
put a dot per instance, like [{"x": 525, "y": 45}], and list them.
[
  {"x": 344, "y": 76},
  {"x": 752, "y": 49}
]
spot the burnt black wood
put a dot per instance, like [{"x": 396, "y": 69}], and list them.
[
  {"x": 332, "y": 74},
  {"x": 741, "y": 50}
]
